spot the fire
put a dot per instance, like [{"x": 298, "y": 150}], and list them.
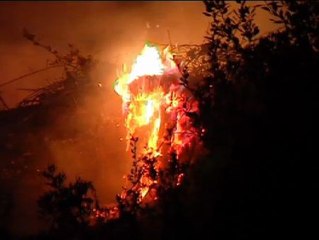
[
  {"x": 163, "y": 113},
  {"x": 155, "y": 103},
  {"x": 149, "y": 63},
  {"x": 144, "y": 110},
  {"x": 143, "y": 105}
]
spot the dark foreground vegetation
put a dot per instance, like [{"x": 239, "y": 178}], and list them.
[{"x": 258, "y": 103}]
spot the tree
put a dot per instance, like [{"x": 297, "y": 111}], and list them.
[
  {"x": 68, "y": 208},
  {"x": 256, "y": 108}
]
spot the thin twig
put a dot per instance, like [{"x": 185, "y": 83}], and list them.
[{"x": 28, "y": 74}]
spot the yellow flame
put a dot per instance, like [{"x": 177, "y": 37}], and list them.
[
  {"x": 144, "y": 191},
  {"x": 149, "y": 63},
  {"x": 144, "y": 100},
  {"x": 144, "y": 108}
]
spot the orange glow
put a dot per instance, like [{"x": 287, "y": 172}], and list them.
[
  {"x": 149, "y": 63},
  {"x": 143, "y": 109},
  {"x": 152, "y": 97}
]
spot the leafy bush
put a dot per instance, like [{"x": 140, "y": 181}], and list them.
[
  {"x": 256, "y": 109},
  {"x": 68, "y": 208}
]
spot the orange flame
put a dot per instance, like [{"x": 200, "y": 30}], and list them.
[
  {"x": 144, "y": 107},
  {"x": 151, "y": 94}
]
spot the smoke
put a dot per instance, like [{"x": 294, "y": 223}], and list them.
[{"x": 112, "y": 32}]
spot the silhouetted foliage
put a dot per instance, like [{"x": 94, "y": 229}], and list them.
[
  {"x": 76, "y": 68},
  {"x": 68, "y": 208},
  {"x": 257, "y": 104},
  {"x": 257, "y": 108}
]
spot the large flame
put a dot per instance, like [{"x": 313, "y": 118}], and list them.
[
  {"x": 155, "y": 103},
  {"x": 143, "y": 107},
  {"x": 160, "y": 112}
]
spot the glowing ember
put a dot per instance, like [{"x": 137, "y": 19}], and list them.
[{"x": 155, "y": 102}]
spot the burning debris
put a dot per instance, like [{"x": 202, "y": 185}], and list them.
[
  {"x": 159, "y": 110},
  {"x": 155, "y": 100},
  {"x": 159, "y": 116},
  {"x": 246, "y": 110}
]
